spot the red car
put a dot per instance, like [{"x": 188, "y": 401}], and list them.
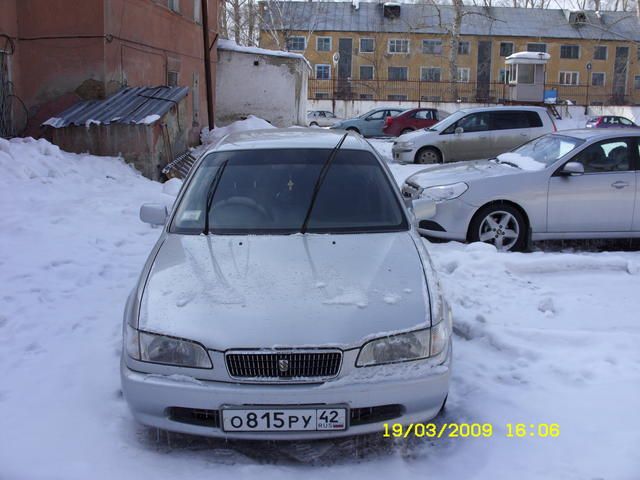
[{"x": 410, "y": 120}]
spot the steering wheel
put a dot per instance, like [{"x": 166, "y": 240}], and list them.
[{"x": 248, "y": 203}]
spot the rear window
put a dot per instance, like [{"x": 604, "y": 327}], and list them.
[
  {"x": 508, "y": 120},
  {"x": 270, "y": 191}
]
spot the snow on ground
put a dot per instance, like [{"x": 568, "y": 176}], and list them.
[{"x": 540, "y": 338}]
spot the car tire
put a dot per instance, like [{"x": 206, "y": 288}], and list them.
[
  {"x": 406, "y": 130},
  {"x": 501, "y": 225},
  {"x": 428, "y": 156},
  {"x": 313, "y": 124},
  {"x": 353, "y": 129}
]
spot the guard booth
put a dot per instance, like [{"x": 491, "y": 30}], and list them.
[{"x": 525, "y": 76}]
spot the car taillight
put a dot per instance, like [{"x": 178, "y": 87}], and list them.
[
  {"x": 388, "y": 121},
  {"x": 598, "y": 122}
]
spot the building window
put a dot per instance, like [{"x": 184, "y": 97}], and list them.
[
  {"x": 597, "y": 79},
  {"x": 174, "y": 5},
  {"x": 463, "y": 48},
  {"x": 323, "y": 72},
  {"x": 537, "y": 47},
  {"x": 569, "y": 51},
  {"x": 462, "y": 75},
  {"x": 569, "y": 78},
  {"x": 172, "y": 78},
  {"x": 397, "y": 98},
  {"x": 600, "y": 52},
  {"x": 430, "y": 74},
  {"x": 397, "y": 45},
  {"x": 506, "y": 49},
  {"x": 367, "y": 45},
  {"x": 323, "y": 44},
  {"x": 526, "y": 73},
  {"x": 322, "y": 95},
  {"x": 397, "y": 73},
  {"x": 296, "y": 44},
  {"x": 636, "y": 82},
  {"x": 502, "y": 76},
  {"x": 432, "y": 47},
  {"x": 366, "y": 96},
  {"x": 366, "y": 72},
  {"x": 197, "y": 11}
]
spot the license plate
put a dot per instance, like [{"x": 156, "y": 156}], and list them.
[{"x": 283, "y": 420}]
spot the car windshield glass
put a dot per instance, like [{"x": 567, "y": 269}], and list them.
[
  {"x": 541, "y": 152},
  {"x": 445, "y": 122},
  {"x": 269, "y": 192}
]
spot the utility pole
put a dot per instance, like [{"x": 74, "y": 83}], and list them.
[{"x": 207, "y": 61}]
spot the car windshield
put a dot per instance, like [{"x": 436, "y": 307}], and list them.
[
  {"x": 269, "y": 192},
  {"x": 445, "y": 122},
  {"x": 541, "y": 152}
]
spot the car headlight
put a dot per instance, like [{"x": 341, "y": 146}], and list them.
[
  {"x": 445, "y": 192},
  {"x": 154, "y": 348},
  {"x": 403, "y": 144}
]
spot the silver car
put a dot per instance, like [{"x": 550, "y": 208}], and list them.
[
  {"x": 321, "y": 118},
  {"x": 574, "y": 184},
  {"x": 371, "y": 123},
  {"x": 473, "y": 133},
  {"x": 289, "y": 296}
]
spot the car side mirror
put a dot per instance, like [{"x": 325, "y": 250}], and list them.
[
  {"x": 458, "y": 130},
  {"x": 154, "y": 213},
  {"x": 572, "y": 168},
  {"x": 424, "y": 209}
]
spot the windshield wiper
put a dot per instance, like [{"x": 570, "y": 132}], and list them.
[
  {"x": 503, "y": 162},
  {"x": 321, "y": 175},
  {"x": 213, "y": 186}
]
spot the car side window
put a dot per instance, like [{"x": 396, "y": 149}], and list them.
[
  {"x": 475, "y": 122},
  {"x": 509, "y": 120},
  {"x": 607, "y": 156},
  {"x": 423, "y": 115},
  {"x": 626, "y": 122},
  {"x": 376, "y": 115}
]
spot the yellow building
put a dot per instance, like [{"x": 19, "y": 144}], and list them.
[{"x": 376, "y": 51}]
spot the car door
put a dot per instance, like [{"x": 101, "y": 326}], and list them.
[
  {"x": 468, "y": 139},
  {"x": 422, "y": 119},
  {"x": 600, "y": 200},
  {"x": 373, "y": 123}
]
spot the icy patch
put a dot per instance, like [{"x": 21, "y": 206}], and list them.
[
  {"x": 391, "y": 298},
  {"x": 358, "y": 299}
]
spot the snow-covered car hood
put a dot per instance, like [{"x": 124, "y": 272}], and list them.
[
  {"x": 460, "y": 172},
  {"x": 296, "y": 290}
]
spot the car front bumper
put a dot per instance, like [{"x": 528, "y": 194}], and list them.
[
  {"x": 450, "y": 222},
  {"x": 417, "y": 389},
  {"x": 403, "y": 155}
]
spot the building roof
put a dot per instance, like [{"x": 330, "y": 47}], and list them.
[
  {"x": 427, "y": 18},
  {"x": 232, "y": 46},
  {"x": 131, "y": 105}
]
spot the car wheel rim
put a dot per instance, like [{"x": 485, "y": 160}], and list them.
[
  {"x": 500, "y": 229},
  {"x": 429, "y": 156}
]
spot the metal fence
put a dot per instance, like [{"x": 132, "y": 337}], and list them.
[{"x": 464, "y": 92}]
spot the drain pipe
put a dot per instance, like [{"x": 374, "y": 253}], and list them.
[{"x": 207, "y": 61}]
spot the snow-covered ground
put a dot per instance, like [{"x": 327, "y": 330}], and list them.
[{"x": 540, "y": 338}]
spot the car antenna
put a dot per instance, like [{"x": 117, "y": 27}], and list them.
[
  {"x": 320, "y": 180},
  {"x": 215, "y": 181}
]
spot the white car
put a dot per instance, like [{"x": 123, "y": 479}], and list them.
[
  {"x": 289, "y": 296},
  {"x": 321, "y": 118}
]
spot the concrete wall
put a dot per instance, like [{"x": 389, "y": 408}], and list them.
[{"x": 270, "y": 87}]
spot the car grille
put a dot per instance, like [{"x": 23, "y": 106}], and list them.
[{"x": 284, "y": 365}]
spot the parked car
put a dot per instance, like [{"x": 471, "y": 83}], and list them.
[
  {"x": 369, "y": 124},
  {"x": 321, "y": 118},
  {"x": 288, "y": 296},
  {"x": 473, "y": 133},
  {"x": 610, "y": 121},
  {"x": 573, "y": 184},
  {"x": 410, "y": 120}
]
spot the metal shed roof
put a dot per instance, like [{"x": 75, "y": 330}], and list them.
[
  {"x": 131, "y": 105},
  {"x": 427, "y": 18}
]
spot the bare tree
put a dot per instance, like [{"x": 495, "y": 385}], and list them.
[{"x": 280, "y": 22}]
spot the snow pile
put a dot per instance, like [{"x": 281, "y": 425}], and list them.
[
  {"x": 149, "y": 119},
  {"x": 211, "y": 137},
  {"x": 231, "y": 45}
]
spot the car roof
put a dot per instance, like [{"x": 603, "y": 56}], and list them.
[
  {"x": 501, "y": 109},
  {"x": 598, "y": 133},
  {"x": 295, "y": 137}
]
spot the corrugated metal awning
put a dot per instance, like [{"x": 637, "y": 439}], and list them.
[{"x": 131, "y": 105}]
